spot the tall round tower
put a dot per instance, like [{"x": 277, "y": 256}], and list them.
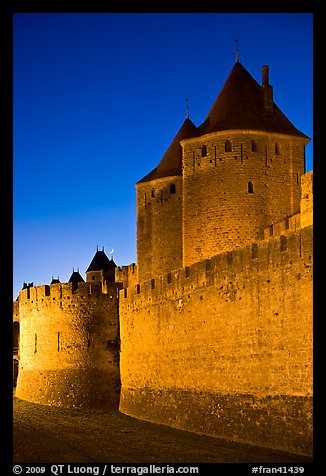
[
  {"x": 69, "y": 345},
  {"x": 159, "y": 211},
  {"x": 242, "y": 171},
  {"x": 219, "y": 185}
]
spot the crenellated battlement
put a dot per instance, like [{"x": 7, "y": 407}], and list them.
[
  {"x": 300, "y": 219},
  {"x": 273, "y": 251},
  {"x": 68, "y": 292},
  {"x": 127, "y": 275}
]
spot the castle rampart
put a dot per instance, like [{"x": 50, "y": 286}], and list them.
[
  {"x": 69, "y": 348},
  {"x": 224, "y": 346}
]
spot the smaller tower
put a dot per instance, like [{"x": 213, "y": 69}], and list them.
[
  {"x": 101, "y": 268},
  {"x": 76, "y": 278}
]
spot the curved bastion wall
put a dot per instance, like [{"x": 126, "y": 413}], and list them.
[{"x": 69, "y": 348}]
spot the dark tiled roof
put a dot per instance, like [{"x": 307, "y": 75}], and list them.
[
  {"x": 171, "y": 162},
  {"x": 101, "y": 262},
  {"x": 76, "y": 278},
  {"x": 240, "y": 105}
]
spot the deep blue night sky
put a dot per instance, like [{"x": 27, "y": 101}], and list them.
[{"x": 98, "y": 99}]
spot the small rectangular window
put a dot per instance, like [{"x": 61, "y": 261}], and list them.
[
  {"x": 287, "y": 223},
  {"x": 228, "y": 146},
  {"x": 254, "y": 251},
  {"x": 284, "y": 243}
]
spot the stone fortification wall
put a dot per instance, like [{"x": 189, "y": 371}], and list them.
[
  {"x": 69, "y": 348},
  {"x": 159, "y": 226},
  {"x": 224, "y": 346},
  {"x": 127, "y": 275},
  {"x": 299, "y": 220},
  {"x": 235, "y": 183},
  {"x": 306, "y": 206}
]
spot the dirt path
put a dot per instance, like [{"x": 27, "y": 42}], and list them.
[{"x": 54, "y": 435}]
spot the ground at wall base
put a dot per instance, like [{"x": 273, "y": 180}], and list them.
[{"x": 44, "y": 434}]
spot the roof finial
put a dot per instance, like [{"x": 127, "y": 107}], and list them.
[
  {"x": 187, "y": 109},
  {"x": 236, "y": 51}
]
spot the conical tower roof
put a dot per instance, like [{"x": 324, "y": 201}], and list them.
[
  {"x": 171, "y": 162},
  {"x": 76, "y": 278},
  {"x": 101, "y": 262},
  {"x": 240, "y": 105}
]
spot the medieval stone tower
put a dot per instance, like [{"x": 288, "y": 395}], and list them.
[
  {"x": 220, "y": 184},
  {"x": 211, "y": 330},
  {"x": 69, "y": 339}
]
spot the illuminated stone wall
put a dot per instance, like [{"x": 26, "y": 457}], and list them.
[
  {"x": 224, "y": 347},
  {"x": 159, "y": 226},
  {"x": 69, "y": 345},
  {"x": 230, "y": 196}
]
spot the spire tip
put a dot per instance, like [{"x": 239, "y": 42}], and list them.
[
  {"x": 236, "y": 51},
  {"x": 187, "y": 109}
]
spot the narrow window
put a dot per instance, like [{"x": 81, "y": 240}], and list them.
[
  {"x": 254, "y": 146},
  {"x": 254, "y": 251},
  {"x": 297, "y": 179},
  {"x": 153, "y": 193},
  {"x": 152, "y": 283},
  {"x": 277, "y": 149},
  {"x": 203, "y": 150},
  {"x": 228, "y": 146},
  {"x": 35, "y": 343},
  {"x": 138, "y": 288},
  {"x": 284, "y": 243},
  {"x": 187, "y": 271},
  {"x": 93, "y": 277},
  {"x": 250, "y": 187},
  {"x": 271, "y": 230},
  {"x": 172, "y": 188},
  {"x": 287, "y": 223},
  {"x": 59, "y": 342},
  {"x": 125, "y": 292},
  {"x": 169, "y": 278}
]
